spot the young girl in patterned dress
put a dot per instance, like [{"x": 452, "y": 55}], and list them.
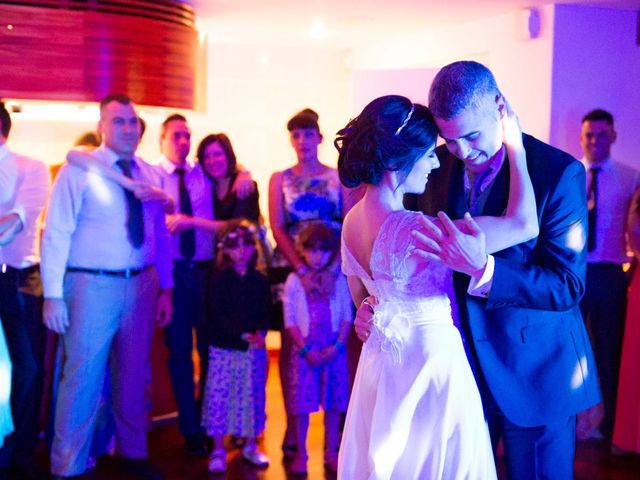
[
  {"x": 318, "y": 316},
  {"x": 238, "y": 315}
]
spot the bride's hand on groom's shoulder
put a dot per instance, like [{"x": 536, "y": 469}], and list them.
[
  {"x": 511, "y": 130},
  {"x": 460, "y": 245}
]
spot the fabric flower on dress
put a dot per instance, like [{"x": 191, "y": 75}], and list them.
[{"x": 389, "y": 321}]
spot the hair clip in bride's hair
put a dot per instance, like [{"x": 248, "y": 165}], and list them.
[{"x": 406, "y": 120}]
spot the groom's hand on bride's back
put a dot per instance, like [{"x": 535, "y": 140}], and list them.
[{"x": 460, "y": 245}]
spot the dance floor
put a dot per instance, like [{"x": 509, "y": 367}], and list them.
[{"x": 593, "y": 460}]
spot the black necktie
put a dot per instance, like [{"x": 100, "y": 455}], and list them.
[
  {"x": 188, "y": 237},
  {"x": 135, "y": 222},
  {"x": 592, "y": 200}
]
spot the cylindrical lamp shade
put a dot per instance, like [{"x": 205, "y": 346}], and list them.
[{"x": 83, "y": 50}]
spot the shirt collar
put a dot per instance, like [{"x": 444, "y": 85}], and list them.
[
  {"x": 169, "y": 167},
  {"x": 488, "y": 175},
  {"x": 604, "y": 165},
  {"x": 109, "y": 156}
]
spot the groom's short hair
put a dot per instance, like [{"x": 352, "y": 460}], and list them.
[{"x": 458, "y": 86}]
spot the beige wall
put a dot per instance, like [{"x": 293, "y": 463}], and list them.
[
  {"x": 596, "y": 65},
  {"x": 522, "y": 66},
  {"x": 252, "y": 92}
]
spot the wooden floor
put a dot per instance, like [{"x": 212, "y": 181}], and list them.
[{"x": 593, "y": 460}]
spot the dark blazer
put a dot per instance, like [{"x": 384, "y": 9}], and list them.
[{"x": 528, "y": 336}]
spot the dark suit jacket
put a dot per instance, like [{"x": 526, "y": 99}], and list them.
[{"x": 528, "y": 336}]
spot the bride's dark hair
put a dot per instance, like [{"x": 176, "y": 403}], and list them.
[{"x": 390, "y": 134}]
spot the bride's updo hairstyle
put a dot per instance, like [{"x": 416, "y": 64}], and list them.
[{"x": 390, "y": 134}]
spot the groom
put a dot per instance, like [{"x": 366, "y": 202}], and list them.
[
  {"x": 520, "y": 316},
  {"x": 531, "y": 352}
]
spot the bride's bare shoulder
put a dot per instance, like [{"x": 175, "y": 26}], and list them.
[
  {"x": 361, "y": 226},
  {"x": 361, "y": 219}
]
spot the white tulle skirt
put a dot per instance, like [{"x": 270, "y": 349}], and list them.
[{"x": 415, "y": 410}]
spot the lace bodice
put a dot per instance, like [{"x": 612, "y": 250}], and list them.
[
  {"x": 408, "y": 291},
  {"x": 396, "y": 275}
]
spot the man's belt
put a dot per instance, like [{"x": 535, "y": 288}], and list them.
[
  {"x": 5, "y": 268},
  {"x": 127, "y": 273}
]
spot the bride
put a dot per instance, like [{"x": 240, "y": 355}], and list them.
[{"x": 415, "y": 411}]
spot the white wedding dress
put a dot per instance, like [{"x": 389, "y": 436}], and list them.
[{"x": 415, "y": 410}]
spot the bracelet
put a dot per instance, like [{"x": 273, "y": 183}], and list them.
[
  {"x": 339, "y": 345},
  {"x": 365, "y": 301},
  {"x": 304, "y": 350}
]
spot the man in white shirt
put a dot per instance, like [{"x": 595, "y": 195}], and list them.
[
  {"x": 192, "y": 252},
  {"x": 24, "y": 186},
  {"x": 106, "y": 277},
  {"x": 610, "y": 187}
]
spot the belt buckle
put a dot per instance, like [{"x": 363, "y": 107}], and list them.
[
  {"x": 4, "y": 267},
  {"x": 127, "y": 273}
]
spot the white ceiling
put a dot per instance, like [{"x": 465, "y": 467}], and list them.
[{"x": 351, "y": 22}]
